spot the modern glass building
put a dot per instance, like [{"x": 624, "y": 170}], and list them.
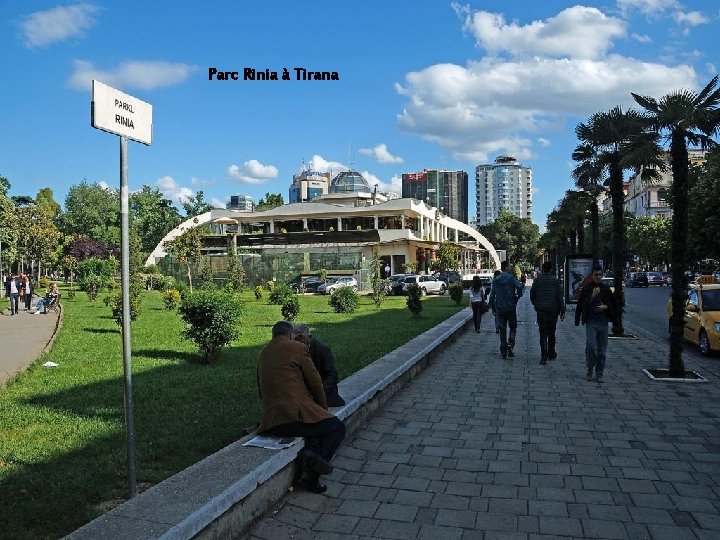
[
  {"x": 349, "y": 182},
  {"x": 504, "y": 184},
  {"x": 446, "y": 190},
  {"x": 307, "y": 185}
]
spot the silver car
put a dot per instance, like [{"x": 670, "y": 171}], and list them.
[{"x": 427, "y": 284}]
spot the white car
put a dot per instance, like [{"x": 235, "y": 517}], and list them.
[
  {"x": 427, "y": 284},
  {"x": 337, "y": 283}
]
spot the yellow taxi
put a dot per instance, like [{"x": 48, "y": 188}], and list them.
[{"x": 702, "y": 314}]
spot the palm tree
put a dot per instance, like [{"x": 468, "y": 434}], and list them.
[
  {"x": 684, "y": 117},
  {"x": 613, "y": 141},
  {"x": 588, "y": 177}
]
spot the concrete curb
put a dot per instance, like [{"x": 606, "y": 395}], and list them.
[{"x": 222, "y": 495}]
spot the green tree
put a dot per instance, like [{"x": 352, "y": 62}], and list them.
[
  {"x": 40, "y": 237},
  {"x": 194, "y": 206},
  {"x": 47, "y": 203},
  {"x": 616, "y": 140},
  {"x": 649, "y": 238},
  {"x": 520, "y": 237},
  {"x": 683, "y": 117},
  {"x": 94, "y": 211},
  {"x": 152, "y": 217},
  {"x": 9, "y": 227},
  {"x": 269, "y": 201},
  {"x": 588, "y": 177},
  {"x": 447, "y": 256},
  {"x": 704, "y": 211},
  {"x": 186, "y": 248}
]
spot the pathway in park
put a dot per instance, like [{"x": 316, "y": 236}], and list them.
[
  {"x": 23, "y": 337},
  {"x": 483, "y": 448}
]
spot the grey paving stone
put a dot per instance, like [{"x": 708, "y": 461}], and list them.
[
  {"x": 396, "y": 530},
  {"x": 488, "y": 521},
  {"x": 651, "y": 515},
  {"x": 413, "y": 498},
  {"x": 660, "y": 532},
  {"x": 335, "y": 523},
  {"x": 396, "y": 512},
  {"x": 707, "y": 521},
  {"x": 561, "y": 526},
  {"x": 547, "y": 508},
  {"x": 414, "y": 484},
  {"x": 435, "y": 532},
  {"x": 456, "y": 518},
  {"x": 358, "y": 508},
  {"x": 593, "y": 528},
  {"x": 366, "y": 527},
  {"x": 508, "y": 506}
]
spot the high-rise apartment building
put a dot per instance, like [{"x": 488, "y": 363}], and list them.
[
  {"x": 504, "y": 184},
  {"x": 446, "y": 190},
  {"x": 241, "y": 202}
]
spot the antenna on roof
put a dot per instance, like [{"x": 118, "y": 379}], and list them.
[{"x": 350, "y": 157}]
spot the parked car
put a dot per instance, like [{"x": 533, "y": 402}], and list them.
[
  {"x": 395, "y": 284},
  {"x": 448, "y": 276},
  {"x": 656, "y": 278},
  {"x": 427, "y": 284},
  {"x": 702, "y": 315},
  {"x": 636, "y": 279},
  {"x": 305, "y": 284},
  {"x": 334, "y": 284}
]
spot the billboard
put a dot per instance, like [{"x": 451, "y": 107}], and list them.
[
  {"x": 415, "y": 177},
  {"x": 578, "y": 272}
]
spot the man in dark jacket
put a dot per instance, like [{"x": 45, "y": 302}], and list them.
[
  {"x": 596, "y": 308},
  {"x": 322, "y": 357},
  {"x": 12, "y": 291},
  {"x": 546, "y": 296},
  {"x": 505, "y": 292}
]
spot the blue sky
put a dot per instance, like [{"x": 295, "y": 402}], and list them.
[{"x": 422, "y": 84}]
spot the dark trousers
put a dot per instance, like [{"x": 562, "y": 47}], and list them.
[
  {"x": 323, "y": 437},
  {"x": 507, "y": 319},
  {"x": 477, "y": 314},
  {"x": 14, "y": 302},
  {"x": 28, "y": 300},
  {"x": 547, "y": 320}
]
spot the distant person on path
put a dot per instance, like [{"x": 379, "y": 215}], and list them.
[
  {"x": 13, "y": 285},
  {"x": 28, "y": 290},
  {"x": 504, "y": 295},
  {"x": 596, "y": 308},
  {"x": 387, "y": 270},
  {"x": 546, "y": 296},
  {"x": 477, "y": 301},
  {"x": 322, "y": 358},
  {"x": 293, "y": 405}
]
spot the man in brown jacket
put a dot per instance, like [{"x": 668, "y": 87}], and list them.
[{"x": 293, "y": 404}]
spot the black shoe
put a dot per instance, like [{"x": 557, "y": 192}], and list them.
[
  {"x": 314, "y": 461},
  {"x": 552, "y": 356},
  {"x": 543, "y": 361},
  {"x": 510, "y": 352},
  {"x": 311, "y": 484},
  {"x": 477, "y": 330}
]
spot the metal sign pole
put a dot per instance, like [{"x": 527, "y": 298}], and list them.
[{"x": 125, "y": 274}]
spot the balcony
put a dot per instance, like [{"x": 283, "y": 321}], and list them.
[{"x": 657, "y": 204}]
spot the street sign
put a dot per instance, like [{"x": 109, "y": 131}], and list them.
[{"x": 116, "y": 112}]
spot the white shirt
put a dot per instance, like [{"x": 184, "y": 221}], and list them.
[{"x": 476, "y": 297}]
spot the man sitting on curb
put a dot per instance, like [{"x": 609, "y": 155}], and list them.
[
  {"x": 294, "y": 405},
  {"x": 322, "y": 358}
]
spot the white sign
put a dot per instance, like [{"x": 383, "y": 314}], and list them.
[{"x": 116, "y": 112}]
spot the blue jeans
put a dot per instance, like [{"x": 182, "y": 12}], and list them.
[
  {"x": 507, "y": 319},
  {"x": 596, "y": 340}
]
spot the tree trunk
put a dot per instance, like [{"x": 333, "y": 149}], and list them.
[
  {"x": 678, "y": 250},
  {"x": 595, "y": 226},
  {"x": 187, "y": 265},
  {"x": 581, "y": 235},
  {"x": 618, "y": 198}
]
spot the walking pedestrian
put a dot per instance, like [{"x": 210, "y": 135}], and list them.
[
  {"x": 495, "y": 316},
  {"x": 504, "y": 295},
  {"x": 596, "y": 308},
  {"x": 28, "y": 288},
  {"x": 546, "y": 296},
  {"x": 13, "y": 286},
  {"x": 477, "y": 301}
]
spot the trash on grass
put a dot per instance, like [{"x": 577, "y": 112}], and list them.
[{"x": 50, "y": 364}]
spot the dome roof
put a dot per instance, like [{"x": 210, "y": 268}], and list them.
[{"x": 349, "y": 182}]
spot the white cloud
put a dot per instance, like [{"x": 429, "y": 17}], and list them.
[
  {"x": 141, "y": 74},
  {"x": 45, "y": 27},
  {"x": 647, "y": 7},
  {"x": 320, "y": 164},
  {"x": 172, "y": 190},
  {"x": 252, "y": 172},
  {"x": 542, "y": 141},
  {"x": 195, "y": 181},
  {"x": 491, "y": 106},
  {"x": 711, "y": 68},
  {"x": 642, "y": 38},
  {"x": 103, "y": 184},
  {"x": 690, "y": 18},
  {"x": 217, "y": 203},
  {"x": 381, "y": 154},
  {"x": 576, "y": 32}
]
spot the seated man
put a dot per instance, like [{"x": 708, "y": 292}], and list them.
[
  {"x": 293, "y": 405},
  {"x": 322, "y": 357}
]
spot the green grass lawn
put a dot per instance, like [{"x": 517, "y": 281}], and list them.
[{"x": 62, "y": 439}]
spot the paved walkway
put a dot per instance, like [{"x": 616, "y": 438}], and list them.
[
  {"x": 22, "y": 338},
  {"x": 482, "y": 448}
]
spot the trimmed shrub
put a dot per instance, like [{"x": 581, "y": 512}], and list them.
[
  {"x": 456, "y": 292},
  {"x": 279, "y": 293},
  {"x": 43, "y": 283},
  {"x": 413, "y": 301},
  {"x": 116, "y": 304},
  {"x": 290, "y": 308},
  {"x": 171, "y": 299},
  {"x": 92, "y": 284},
  {"x": 344, "y": 300},
  {"x": 213, "y": 318},
  {"x": 259, "y": 292}
]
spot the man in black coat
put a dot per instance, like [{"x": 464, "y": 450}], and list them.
[
  {"x": 322, "y": 358},
  {"x": 596, "y": 308}
]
